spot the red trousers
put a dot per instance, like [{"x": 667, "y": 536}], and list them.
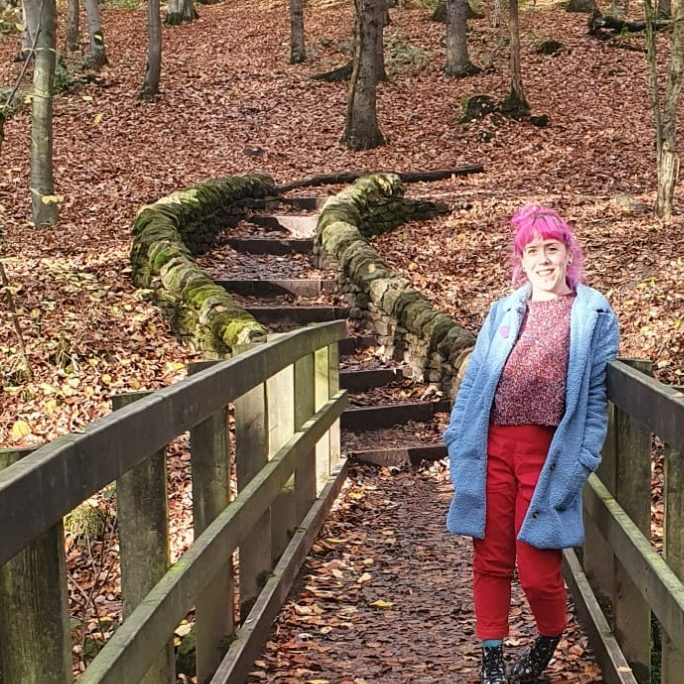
[{"x": 515, "y": 456}]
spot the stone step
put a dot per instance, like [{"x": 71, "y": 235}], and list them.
[
  {"x": 375, "y": 417},
  {"x": 275, "y": 246},
  {"x": 350, "y": 345},
  {"x": 360, "y": 380},
  {"x": 399, "y": 457},
  {"x": 305, "y": 203},
  {"x": 270, "y": 288},
  {"x": 297, "y": 314}
]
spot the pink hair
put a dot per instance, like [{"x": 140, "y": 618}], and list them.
[{"x": 534, "y": 221}]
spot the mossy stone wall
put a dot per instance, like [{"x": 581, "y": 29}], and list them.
[
  {"x": 407, "y": 324},
  {"x": 167, "y": 235}
]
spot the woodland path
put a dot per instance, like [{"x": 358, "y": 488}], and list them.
[{"x": 384, "y": 594}]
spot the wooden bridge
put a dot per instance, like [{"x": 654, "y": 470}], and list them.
[
  {"x": 287, "y": 407},
  {"x": 266, "y": 466}
]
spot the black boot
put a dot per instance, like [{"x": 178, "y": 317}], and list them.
[
  {"x": 493, "y": 666},
  {"x": 534, "y": 661}
]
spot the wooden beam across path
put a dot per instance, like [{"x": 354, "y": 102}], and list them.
[
  {"x": 360, "y": 417},
  {"x": 56, "y": 478},
  {"x": 276, "y": 246},
  {"x": 406, "y": 177},
  {"x": 304, "y": 287},
  {"x": 301, "y": 315},
  {"x": 134, "y": 645}
]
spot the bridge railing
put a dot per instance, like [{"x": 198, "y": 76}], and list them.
[
  {"x": 630, "y": 587},
  {"x": 286, "y": 452}
]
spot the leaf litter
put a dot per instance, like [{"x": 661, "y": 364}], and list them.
[{"x": 90, "y": 334}]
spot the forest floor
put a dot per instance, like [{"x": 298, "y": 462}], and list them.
[{"x": 232, "y": 104}]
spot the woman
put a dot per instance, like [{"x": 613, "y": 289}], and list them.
[{"x": 526, "y": 431}]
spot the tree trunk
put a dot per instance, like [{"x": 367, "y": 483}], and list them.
[
  {"x": 497, "y": 14},
  {"x": 458, "y": 62},
  {"x": 667, "y": 158},
  {"x": 178, "y": 11},
  {"x": 297, "y": 49},
  {"x": 619, "y": 8},
  {"x": 43, "y": 200},
  {"x": 384, "y": 20},
  {"x": 97, "y": 56},
  {"x": 29, "y": 14},
  {"x": 72, "y": 29},
  {"x": 664, "y": 8},
  {"x": 150, "y": 88},
  {"x": 362, "y": 131},
  {"x": 516, "y": 103}
]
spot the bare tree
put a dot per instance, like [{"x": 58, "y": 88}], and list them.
[
  {"x": 178, "y": 11},
  {"x": 362, "y": 131},
  {"x": 30, "y": 12},
  {"x": 497, "y": 13},
  {"x": 43, "y": 199},
  {"x": 516, "y": 102},
  {"x": 150, "y": 88},
  {"x": 297, "y": 49},
  {"x": 665, "y": 113},
  {"x": 97, "y": 56},
  {"x": 72, "y": 28},
  {"x": 664, "y": 8},
  {"x": 458, "y": 62}
]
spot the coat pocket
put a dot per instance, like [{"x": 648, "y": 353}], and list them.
[{"x": 572, "y": 485}]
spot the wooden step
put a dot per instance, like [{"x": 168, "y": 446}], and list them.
[
  {"x": 270, "y": 288},
  {"x": 305, "y": 203},
  {"x": 360, "y": 380},
  {"x": 400, "y": 456},
  {"x": 297, "y": 314},
  {"x": 298, "y": 225},
  {"x": 275, "y": 246},
  {"x": 375, "y": 417},
  {"x": 349, "y": 346}
]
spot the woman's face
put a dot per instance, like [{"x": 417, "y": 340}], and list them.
[{"x": 545, "y": 263}]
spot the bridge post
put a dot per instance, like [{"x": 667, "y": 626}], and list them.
[
  {"x": 305, "y": 406},
  {"x": 35, "y": 636},
  {"x": 672, "y": 664},
  {"x": 632, "y": 615},
  {"x": 210, "y": 463},
  {"x": 142, "y": 509},
  {"x": 280, "y": 400},
  {"x": 322, "y": 394},
  {"x": 598, "y": 559},
  {"x": 333, "y": 389},
  {"x": 251, "y": 454}
]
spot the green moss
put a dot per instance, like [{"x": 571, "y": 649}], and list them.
[
  {"x": 165, "y": 235},
  {"x": 405, "y": 299}
]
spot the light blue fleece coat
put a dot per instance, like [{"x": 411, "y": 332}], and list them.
[{"x": 554, "y": 519}]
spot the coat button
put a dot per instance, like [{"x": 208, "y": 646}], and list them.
[
  {"x": 552, "y": 466},
  {"x": 535, "y": 514}
]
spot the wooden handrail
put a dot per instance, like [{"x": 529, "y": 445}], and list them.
[
  {"x": 56, "y": 478},
  {"x": 659, "y": 408}
]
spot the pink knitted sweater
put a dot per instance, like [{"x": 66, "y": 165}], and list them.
[{"x": 531, "y": 389}]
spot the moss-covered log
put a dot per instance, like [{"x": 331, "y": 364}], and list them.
[{"x": 167, "y": 235}]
